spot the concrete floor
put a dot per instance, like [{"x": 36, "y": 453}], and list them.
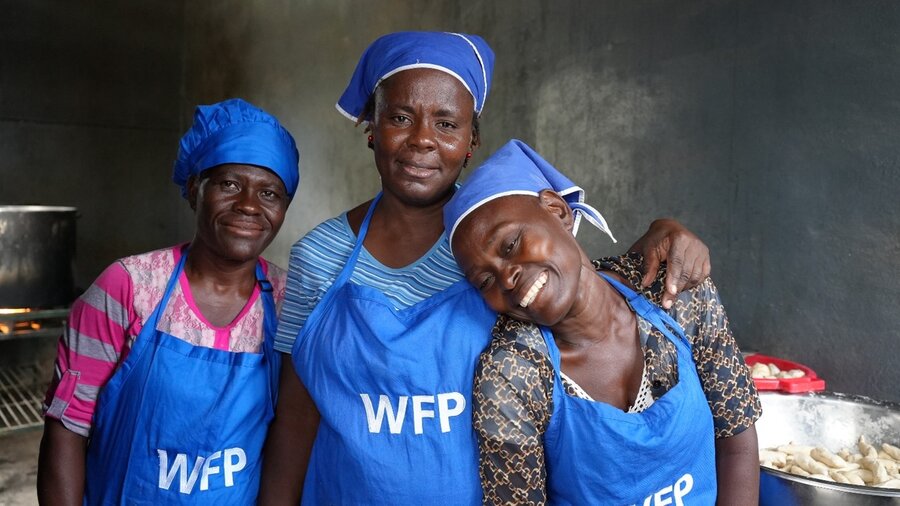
[
  {"x": 18, "y": 467},
  {"x": 31, "y": 360}
]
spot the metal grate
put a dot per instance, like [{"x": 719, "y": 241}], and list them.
[{"x": 21, "y": 394}]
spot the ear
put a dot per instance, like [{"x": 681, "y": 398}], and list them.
[
  {"x": 557, "y": 206},
  {"x": 193, "y": 189}
]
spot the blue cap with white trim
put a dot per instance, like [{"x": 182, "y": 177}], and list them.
[
  {"x": 236, "y": 131},
  {"x": 516, "y": 169},
  {"x": 468, "y": 58}
]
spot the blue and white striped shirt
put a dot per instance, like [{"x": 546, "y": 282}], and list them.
[{"x": 318, "y": 257}]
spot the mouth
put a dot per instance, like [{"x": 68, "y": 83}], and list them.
[
  {"x": 533, "y": 291},
  {"x": 417, "y": 170},
  {"x": 244, "y": 227}
]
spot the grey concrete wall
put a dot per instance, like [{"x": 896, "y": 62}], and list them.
[
  {"x": 767, "y": 127},
  {"x": 89, "y": 117}
]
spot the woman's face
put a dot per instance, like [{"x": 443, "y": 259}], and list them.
[
  {"x": 239, "y": 209},
  {"x": 520, "y": 253},
  {"x": 422, "y": 130}
]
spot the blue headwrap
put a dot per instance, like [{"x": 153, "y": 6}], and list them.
[
  {"x": 235, "y": 131},
  {"x": 516, "y": 169},
  {"x": 468, "y": 58}
]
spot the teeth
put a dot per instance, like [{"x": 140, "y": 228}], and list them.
[{"x": 535, "y": 288}]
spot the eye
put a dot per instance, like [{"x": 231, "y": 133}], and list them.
[
  {"x": 485, "y": 282},
  {"x": 510, "y": 245},
  {"x": 400, "y": 119},
  {"x": 229, "y": 185},
  {"x": 270, "y": 195},
  {"x": 449, "y": 125}
]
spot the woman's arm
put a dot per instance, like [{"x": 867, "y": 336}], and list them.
[
  {"x": 60, "y": 478},
  {"x": 88, "y": 353},
  {"x": 729, "y": 390},
  {"x": 687, "y": 257},
  {"x": 289, "y": 441},
  {"x": 511, "y": 408},
  {"x": 737, "y": 469}
]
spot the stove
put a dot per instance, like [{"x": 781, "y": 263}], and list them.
[{"x": 28, "y": 343}]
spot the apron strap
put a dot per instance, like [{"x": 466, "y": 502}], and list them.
[
  {"x": 173, "y": 280},
  {"x": 144, "y": 338},
  {"x": 347, "y": 271},
  {"x": 650, "y": 312},
  {"x": 270, "y": 325}
]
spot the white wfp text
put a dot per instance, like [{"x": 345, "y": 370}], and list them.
[
  {"x": 448, "y": 405},
  {"x": 233, "y": 460}
]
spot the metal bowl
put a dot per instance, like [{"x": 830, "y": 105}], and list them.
[{"x": 830, "y": 420}]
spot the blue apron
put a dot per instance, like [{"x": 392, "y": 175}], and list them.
[
  {"x": 598, "y": 454},
  {"x": 394, "y": 391},
  {"x": 183, "y": 424}
]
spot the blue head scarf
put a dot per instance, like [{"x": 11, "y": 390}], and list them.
[
  {"x": 235, "y": 131},
  {"x": 516, "y": 169},
  {"x": 468, "y": 58}
]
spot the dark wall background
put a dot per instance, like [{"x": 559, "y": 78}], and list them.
[
  {"x": 90, "y": 95},
  {"x": 768, "y": 127}
]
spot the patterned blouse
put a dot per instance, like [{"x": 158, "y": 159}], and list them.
[{"x": 513, "y": 394}]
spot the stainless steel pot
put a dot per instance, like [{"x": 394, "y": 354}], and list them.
[
  {"x": 832, "y": 421},
  {"x": 37, "y": 248}
]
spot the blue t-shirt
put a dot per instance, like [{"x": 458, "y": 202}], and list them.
[{"x": 318, "y": 257}]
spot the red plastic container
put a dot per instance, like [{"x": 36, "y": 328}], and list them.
[{"x": 809, "y": 383}]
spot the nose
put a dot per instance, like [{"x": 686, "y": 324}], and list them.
[
  {"x": 421, "y": 136},
  {"x": 509, "y": 277},
  {"x": 247, "y": 202}
]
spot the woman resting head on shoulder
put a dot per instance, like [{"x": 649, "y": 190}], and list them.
[
  {"x": 166, "y": 376},
  {"x": 587, "y": 375}
]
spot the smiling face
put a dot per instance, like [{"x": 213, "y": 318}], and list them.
[
  {"x": 422, "y": 128},
  {"x": 239, "y": 210},
  {"x": 520, "y": 253}
]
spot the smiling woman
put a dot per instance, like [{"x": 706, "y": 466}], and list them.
[
  {"x": 259, "y": 197},
  {"x": 422, "y": 132},
  {"x": 591, "y": 393},
  {"x": 166, "y": 376},
  {"x": 544, "y": 295}
]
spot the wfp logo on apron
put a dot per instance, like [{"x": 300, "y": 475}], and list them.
[
  {"x": 666, "y": 495},
  {"x": 448, "y": 405},
  {"x": 233, "y": 460}
]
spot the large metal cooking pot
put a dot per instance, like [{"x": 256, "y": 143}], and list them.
[
  {"x": 37, "y": 248},
  {"x": 832, "y": 421}
]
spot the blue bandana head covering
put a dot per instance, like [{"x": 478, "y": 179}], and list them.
[
  {"x": 235, "y": 131},
  {"x": 468, "y": 58},
  {"x": 516, "y": 169}
]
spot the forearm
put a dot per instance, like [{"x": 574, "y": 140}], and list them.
[
  {"x": 289, "y": 441},
  {"x": 510, "y": 430},
  {"x": 737, "y": 469},
  {"x": 61, "y": 465},
  {"x": 512, "y": 475}
]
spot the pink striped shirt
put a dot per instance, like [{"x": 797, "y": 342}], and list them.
[{"x": 106, "y": 319}]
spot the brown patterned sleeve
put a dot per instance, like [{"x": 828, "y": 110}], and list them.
[
  {"x": 511, "y": 408},
  {"x": 726, "y": 380}
]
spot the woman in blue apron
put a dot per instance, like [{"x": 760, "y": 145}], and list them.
[
  {"x": 184, "y": 404},
  {"x": 590, "y": 393},
  {"x": 384, "y": 331}
]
